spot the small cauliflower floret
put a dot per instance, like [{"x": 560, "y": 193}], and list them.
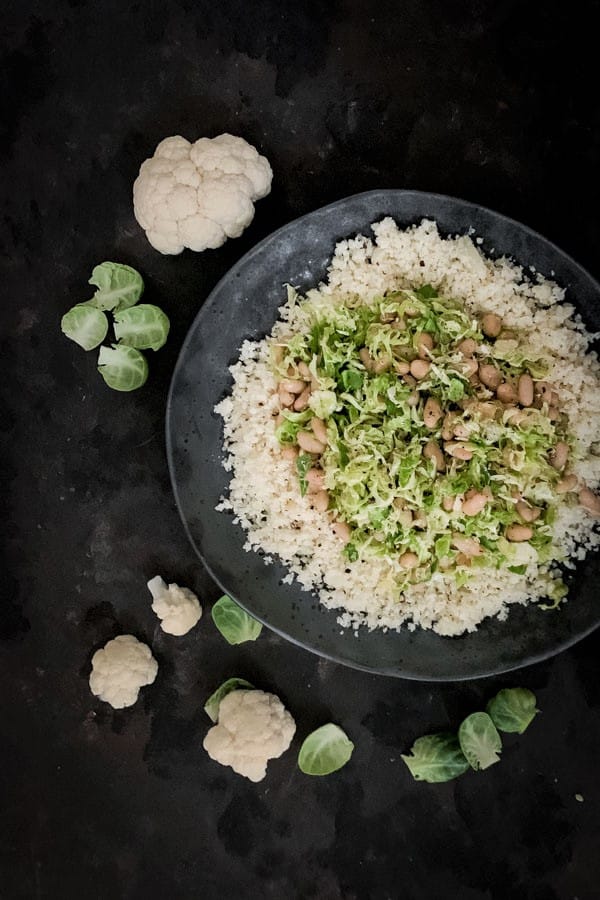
[
  {"x": 198, "y": 195},
  {"x": 176, "y": 607},
  {"x": 253, "y": 727},
  {"x": 120, "y": 669}
]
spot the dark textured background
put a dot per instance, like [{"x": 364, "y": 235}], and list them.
[{"x": 484, "y": 100}]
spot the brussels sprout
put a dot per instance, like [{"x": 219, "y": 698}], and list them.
[
  {"x": 234, "y": 623},
  {"x": 479, "y": 741},
  {"x": 144, "y": 327},
  {"x": 85, "y": 325},
  {"x": 123, "y": 368},
  {"x": 119, "y": 286},
  {"x": 325, "y": 750},
  {"x": 435, "y": 758},
  {"x": 513, "y": 709}
]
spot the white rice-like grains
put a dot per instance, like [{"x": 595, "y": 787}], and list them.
[{"x": 264, "y": 495}]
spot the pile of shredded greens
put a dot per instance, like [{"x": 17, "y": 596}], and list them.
[{"x": 374, "y": 467}]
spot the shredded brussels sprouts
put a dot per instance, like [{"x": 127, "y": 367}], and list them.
[{"x": 440, "y": 444}]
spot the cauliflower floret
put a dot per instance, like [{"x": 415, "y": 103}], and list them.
[
  {"x": 198, "y": 195},
  {"x": 176, "y": 607},
  {"x": 253, "y": 727},
  {"x": 120, "y": 669}
]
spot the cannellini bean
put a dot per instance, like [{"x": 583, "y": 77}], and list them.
[
  {"x": 566, "y": 484},
  {"x": 525, "y": 389},
  {"x": 460, "y": 431},
  {"x": 341, "y": 530},
  {"x": 590, "y": 501},
  {"x": 491, "y": 325},
  {"x": 285, "y": 398},
  {"x": 402, "y": 367},
  {"x": 467, "y": 347},
  {"x": 458, "y": 450},
  {"x": 419, "y": 519},
  {"x": 544, "y": 390},
  {"x": 309, "y": 443},
  {"x": 320, "y": 501},
  {"x": 409, "y": 560},
  {"x": 432, "y": 450},
  {"x": 487, "y": 409},
  {"x": 405, "y": 518},
  {"x": 289, "y": 453},
  {"x": 448, "y": 503},
  {"x": 506, "y": 392},
  {"x": 315, "y": 479},
  {"x": 554, "y": 398},
  {"x": 413, "y": 398},
  {"x": 467, "y": 545},
  {"x": 304, "y": 371},
  {"x": 419, "y": 368},
  {"x": 463, "y": 560},
  {"x": 382, "y": 364},
  {"x": 320, "y": 429},
  {"x": 558, "y": 456},
  {"x": 409, "y": 380},
  {"x": 302, "y": 399},
  {"x": 526, "y": 512},
  {"x": 387, "y": 318},
  {"x": 411, "y": 313},
  {"x": 432, "y": 412},
  {"x": 279, "y": 420},
  {"x": 424, "y": 343},
  {"x": 490, "y": 376},
  {"x": 519, "y": 533},
  {"x": 448, "y": 426},
  {"x": 292, "y": 386},
  {"x": 469, "y": 367},
  {"x": 366, "y": 359},
  {"x": 553, "y": 413},
  {"x": 474, "y": 504}
]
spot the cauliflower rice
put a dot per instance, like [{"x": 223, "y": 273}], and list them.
[{"x": 264, "y": 495}]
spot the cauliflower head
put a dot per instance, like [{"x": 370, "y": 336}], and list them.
[
  {"x": 120, "y": 669},
  {"x": 198, "y": 195},
  {"x": 253, "y": 727},
  {"x": 177, "y": 608}
]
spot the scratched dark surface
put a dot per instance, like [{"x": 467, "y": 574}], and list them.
[{"x": 484, "y": 100}]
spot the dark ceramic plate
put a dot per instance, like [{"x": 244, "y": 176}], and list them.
[{"x": 244, "y": 305}]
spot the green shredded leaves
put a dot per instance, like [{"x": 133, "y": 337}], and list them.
[
  {"x": 435, "y": 758},
  {"x": 144, "y": 327},
  {"x": 426, "y": 292},
  {"x": 350, "y": 552},
  {"x": 480, "y": 741},
  {"x": 359, "y": 354},
  {"x": 323, "y": 403},
  {"x": 325, "y": 751},
  {"x": 513, "y": 709},
  {"x": 85, "y": 325},
  {"x": 211, "y": 707},
  {"x": 234, "y": 623},
  {"x": 123, "y": 368},
  {"x": 303, "y": 464},
  {"x": 118, "y": 286}
]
